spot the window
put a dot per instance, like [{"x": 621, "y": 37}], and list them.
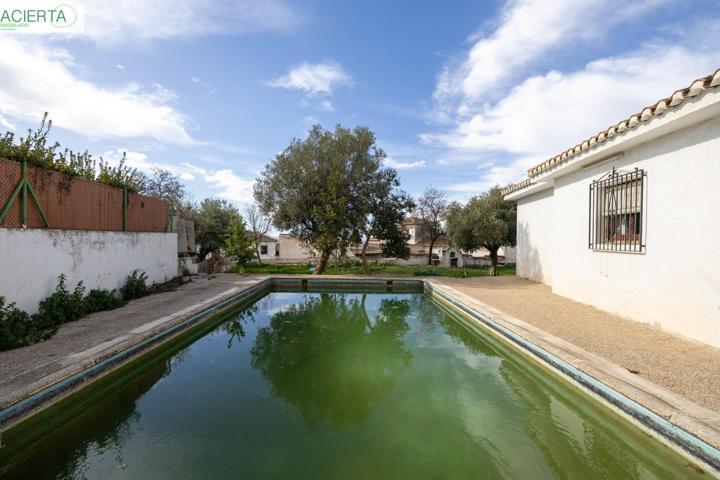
[
  {"x": 615, "y": 222},
  {"x": 263, "y": 249}
]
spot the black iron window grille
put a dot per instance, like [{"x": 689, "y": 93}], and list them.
[{"x": 616, "y": 212}]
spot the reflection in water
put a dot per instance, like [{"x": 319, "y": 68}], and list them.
[
  {"x": 235, "y": 326},
  {"x": 352, "y": 386},
  {"x": 105, "y": 425},
  {"x": 327, "y": 358}
]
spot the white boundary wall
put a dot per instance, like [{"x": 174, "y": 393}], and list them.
[
  {"x": 675, "y": 283},
  {"x": 32, "y": 259}
]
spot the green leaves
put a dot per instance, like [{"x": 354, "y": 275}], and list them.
[
  {"x": 36, "y": 151},
  {"x": 238, "y": 244},
  {"x": 318, "y": 188},
  {"x": 487, "y": 221},
  {"x": 213, "y": 224}
]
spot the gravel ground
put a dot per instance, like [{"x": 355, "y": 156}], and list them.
[{"x": 683, "y": 366}]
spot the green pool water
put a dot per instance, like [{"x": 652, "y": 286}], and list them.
[{"x": 334, "y": 386}]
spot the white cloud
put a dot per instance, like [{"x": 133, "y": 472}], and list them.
[
  {"x": 552, "y": 112},
  {"x": 120, "y": 67},
  {"x": 6, "y": 123},
  {"x": 547, "y": 113},
  {"x": 162, "y": 19},
  {"x": 403, "y": 165},
  {"x": 314, "y": 79},
  {"x": 37, "y": 78},
  {"x": 327, "y": 106},
  {"x": 225, "y": 182},
  {"x": 231, "y": 186},
  {"x": 136, "y": 160},
  {"x": 526, "y": 32}
]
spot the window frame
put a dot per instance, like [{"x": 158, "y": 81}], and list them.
[
  {"x": 265, "y": 248},
  {"x": 616, "y": 212}
]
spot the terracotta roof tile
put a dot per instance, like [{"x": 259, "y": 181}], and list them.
[{"x": 696, "y": 88}]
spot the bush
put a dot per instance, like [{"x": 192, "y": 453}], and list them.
[
  {"x": 99, "y": 300},
  {"x": 62, "y": 306},
  {"x": 135, "y": 286},
  {"x": 16, "y": 327}
]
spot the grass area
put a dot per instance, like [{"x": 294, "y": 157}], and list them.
[{"x": 355, "y": 268}]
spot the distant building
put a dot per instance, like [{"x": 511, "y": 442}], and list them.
[
  {"x": 268, "y": 248},
  {"x": 292, "y": 250},
  {"x": 419, "y": 247},
  {"x": 628, "y": 220}
]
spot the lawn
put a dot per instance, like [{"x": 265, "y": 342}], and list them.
[{"x": 379, "y": 269}]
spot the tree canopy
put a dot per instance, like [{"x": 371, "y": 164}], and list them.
[
  {"x": 165, "y": 185},
  {"x": 431, "y": 209},
  {"x": 213, "y": 224},
  {"x": 317, "y": 188},
  {"x": 238, "y": 244},
  {"x": 487, "y": 220},
  {"x": 386, "y": 208}
]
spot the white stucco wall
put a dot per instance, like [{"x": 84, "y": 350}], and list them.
[
  {"x": 32, "y": 259},
  {"x": 270, "y": 255},
  {"x": 675, "y": 283},
  {"x": 535, "y": 239}
]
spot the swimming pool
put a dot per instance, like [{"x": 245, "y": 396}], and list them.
[{"x": 340, "y": 384}]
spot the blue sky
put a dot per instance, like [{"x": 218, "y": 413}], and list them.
[{"x": 462, "y": 95}]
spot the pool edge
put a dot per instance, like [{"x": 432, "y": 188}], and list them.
[
  {"x": 675, "y": 437},
  {"x": 45, "y": 397}
]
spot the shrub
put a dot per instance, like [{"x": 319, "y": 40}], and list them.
[
  {"x": 16, "y": 327},
  {"x": 99, "y": 300},
  {"x": 135, "y": 286},
  {"x": 62, "y": 306},
  {"x": 36, "y": 150}
]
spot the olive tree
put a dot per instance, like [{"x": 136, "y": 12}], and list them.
[
  {"x": 387, "y": 206},
  {"x": 316, "y": 188},
  {"x": 487, "y": 220}
]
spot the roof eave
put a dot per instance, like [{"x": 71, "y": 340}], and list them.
[{"x": 691, "y": 112}]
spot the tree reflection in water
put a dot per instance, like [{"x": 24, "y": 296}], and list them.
[
  {"x": 235, "y": 326},
  {"x": 328, "y": 359}
]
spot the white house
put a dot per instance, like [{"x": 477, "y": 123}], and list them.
[
  {"x": 268, "y": 248},
  {"x": 629, "y": 219}
]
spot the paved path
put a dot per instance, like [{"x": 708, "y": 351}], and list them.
[{"x": 79, "y": 344}]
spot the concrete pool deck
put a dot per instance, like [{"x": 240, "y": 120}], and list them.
[{"x": 675, "y": 378}]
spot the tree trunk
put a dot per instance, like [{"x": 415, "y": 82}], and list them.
[
  {"x": 257, "y": 252},
  {"x": 322, "y": 264},
  {"x": 493, "y": 261},
  {"x": 432, "y": 244},
  {"x": 363, "y": 256}
]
